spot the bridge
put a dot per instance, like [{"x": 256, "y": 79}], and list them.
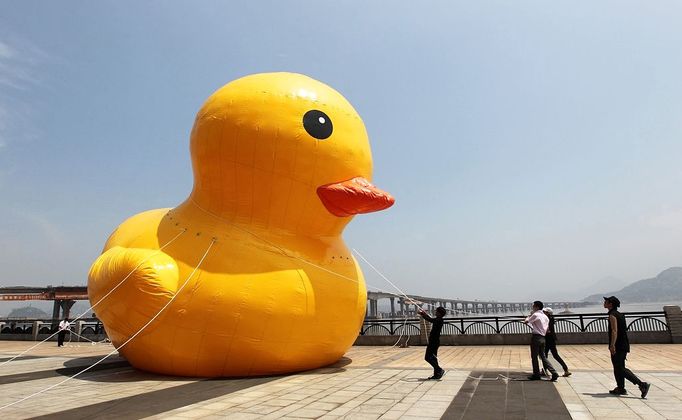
[
  {"x": 63, "y": 296},
  {"x": 457, "y": 306}
]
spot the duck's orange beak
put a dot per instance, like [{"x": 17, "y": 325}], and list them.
[{"x": 354, "y": 196}]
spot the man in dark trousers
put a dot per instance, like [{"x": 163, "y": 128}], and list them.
[
  {"x": 64, "y": 327},
  {"x": 550, "y": 341},
  {"x": 539, "y": 323},
  {"x": 431, "y": 355},
  {"x": 619, "y": 346}
]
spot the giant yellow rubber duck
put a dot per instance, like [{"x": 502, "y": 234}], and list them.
[{"x": 250, "y": 275}]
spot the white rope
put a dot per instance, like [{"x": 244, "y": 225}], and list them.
[
  {"x": 84, "y": 338},
  {"x": 454, "y": 311},
  {"x": 116, "y": 349},
  {"x": 98, "y": 302},
  {"x": 402, "y": 332},
  {"x": 380, "y": 274},
  {"x": 286, "y": 254},
  {"x": 480, "y": 378},
  {"x": 303, "y": 260}
]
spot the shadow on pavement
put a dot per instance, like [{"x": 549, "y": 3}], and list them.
[
  {"x": 159, "y": 401},
  {"x": 117, "y": 369},
  {"x": 607, "y": 395}
]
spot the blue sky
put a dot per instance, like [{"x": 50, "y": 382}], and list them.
[{"x": 533, "y": 148}]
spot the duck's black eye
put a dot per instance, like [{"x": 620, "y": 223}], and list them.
[{"x": 317, "y": 124}]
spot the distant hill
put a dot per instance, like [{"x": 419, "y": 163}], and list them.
[
  {"x": 665, "y": 287},
  {"x": 576, "y": 292},
  {"x": 28, "y": 312}
]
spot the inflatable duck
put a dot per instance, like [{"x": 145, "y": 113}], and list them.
[{"x": 250, "y": 275}]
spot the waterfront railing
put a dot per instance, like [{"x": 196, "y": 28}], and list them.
[
  {"x": 564, "y": 323},
  {"x": 37, "y": 329}
]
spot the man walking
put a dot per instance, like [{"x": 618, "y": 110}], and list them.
[
  {"x": 539, "y": 323},
  {"x": 619, "y": 346},
  {"x": 550, "y": 341},
  {"x": 431, "y": 355}
]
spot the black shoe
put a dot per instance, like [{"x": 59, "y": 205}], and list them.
[
  {"x": 644, "y": 387},
  {"x": 535, "y": 378},
  {"x": 618, "y": 391},
  {"x": 440, "y": 374},
  {"x": 555, "y": 376}
]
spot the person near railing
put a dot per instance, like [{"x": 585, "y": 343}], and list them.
[
  {"x": 539, "y": 323},
  {"x": 619, "y": 347},
  {"x": 64, "y": 326},
  {"x": 431, "y": 355},
  {"x": 550, "y": 342}
]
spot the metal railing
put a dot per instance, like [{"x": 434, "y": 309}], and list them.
[
  {"x": 16, "y": 326},
  {"x": 564, "y": 323}
]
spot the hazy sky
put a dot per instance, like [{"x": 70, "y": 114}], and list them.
[{"x": 533, "y": 147}]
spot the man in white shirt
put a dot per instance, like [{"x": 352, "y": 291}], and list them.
[
  {"x": 539, "y": 323},
  {"x": 64, "y": 326}
]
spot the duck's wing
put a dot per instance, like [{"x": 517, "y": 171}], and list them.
[{"x": 128, "y": 286}]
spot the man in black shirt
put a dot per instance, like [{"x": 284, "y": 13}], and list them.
[
  {"x": 431, "y": 355},
  {"x": 619, "y": 346},
  {"x": 551, "y": 340}
]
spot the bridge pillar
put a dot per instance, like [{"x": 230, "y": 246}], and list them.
[
  {"x": 36, "y": 327},
  {"x": 392, "y": 306},
  {"x": 66, "y": 307},
  {"x": 63, "y": 306},
  {"x": 371, "y": 308},
  {"x": 55, "y": 315},
  {"x": 424, "y": 331},
  {"x": 79, "y": 330}
]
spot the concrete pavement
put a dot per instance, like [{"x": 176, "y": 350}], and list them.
[{"x": 368, "y": 383}]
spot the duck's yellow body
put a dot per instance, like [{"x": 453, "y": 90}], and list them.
[{"x": 280, "y": 162}]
